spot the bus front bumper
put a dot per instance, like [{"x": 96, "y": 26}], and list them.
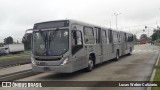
[{"x": 67, "y": 68}]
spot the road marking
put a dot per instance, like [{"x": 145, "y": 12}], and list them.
[{"x": 144, "y": 51}]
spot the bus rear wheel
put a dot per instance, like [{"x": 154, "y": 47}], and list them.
[
  {"x": 117, "y": 56},
  {"x": 130, "y": 51},
  {"x": 90, "y": 64}
]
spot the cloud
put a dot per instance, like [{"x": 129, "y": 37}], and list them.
[{"x": 18, "y": 15}]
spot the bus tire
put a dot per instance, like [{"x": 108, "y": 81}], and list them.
[
  {"x": 90, "y": 64},
  {"x": 117, "y": 55},
  {"x": 130, "y": 52}
]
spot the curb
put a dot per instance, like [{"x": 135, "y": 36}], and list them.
[
  {"x": 18, "y": 75},
  {"x": 154, "y": 72}
]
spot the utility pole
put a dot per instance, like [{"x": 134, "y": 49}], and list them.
[{"x": 116, "y": 14}]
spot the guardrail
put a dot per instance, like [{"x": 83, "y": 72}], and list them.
[{"x": 4, "y": 63}]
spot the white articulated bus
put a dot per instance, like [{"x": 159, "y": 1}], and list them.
[{"x": 67, "y": 46}]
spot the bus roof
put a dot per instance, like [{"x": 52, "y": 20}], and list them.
[{"x": 82, "y": 23}]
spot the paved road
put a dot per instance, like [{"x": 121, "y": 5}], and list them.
[{"x": 137, "y": 67}]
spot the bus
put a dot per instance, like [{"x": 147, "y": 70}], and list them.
[
  {"x": 66, "y": 46},
  {"x": 143, "y": 41}
]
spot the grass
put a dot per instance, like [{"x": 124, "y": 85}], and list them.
[
  {"x": 158, "y": 44},
  {"x": 157, "y": 76},
  {"x": 16, "y": 56}
]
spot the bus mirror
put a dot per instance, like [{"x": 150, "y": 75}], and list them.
[{"x": 29, "y": 31}]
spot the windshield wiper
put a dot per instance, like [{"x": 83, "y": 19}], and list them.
[
  {"x": 44, "y": 37},
  {"x": 51, "y": 36},
  {"x": 47, "y": 39}
]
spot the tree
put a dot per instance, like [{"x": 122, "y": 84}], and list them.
[
  {"x": 143, "y": 36},
  {"x": 155, "y": 35},
  {"x": 26, "y": 40},
  {"x": 135, "y": 38},
  {"x": 1, "y": 44},
  {"x": 8, "y": 40}
]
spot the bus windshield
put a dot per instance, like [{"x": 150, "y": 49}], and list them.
[{"x": 50, "y": 43}]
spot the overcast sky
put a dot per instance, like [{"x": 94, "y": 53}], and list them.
[{"x": 18, "y": 15}]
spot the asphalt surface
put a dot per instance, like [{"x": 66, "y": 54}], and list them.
[{"x": 136, "y": 67}]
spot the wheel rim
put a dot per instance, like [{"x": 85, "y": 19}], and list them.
[
  {"x": 117, "y": 56},
  {"x": 131, "y": 51},
  {"x": 90, "y": 64}
]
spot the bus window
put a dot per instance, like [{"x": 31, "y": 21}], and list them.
[
  {"x": 79, "y": 38},
  {"x": 104, "y": 35},
  {"x": 130, "y": 38},
  {"x": 115, "y": 37},
  {"x": 125, "y": 37},
  {"x": 97, "y": 35},
  {"x": 76, "y": 38},
  {"x": 110, "y": 36},
  {"x": 77, "y": 42},
  {"x": 89, "y": 35},
  {"x": 88, "y": 31}
]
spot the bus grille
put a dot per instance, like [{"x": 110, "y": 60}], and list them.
[{"x": 39, "y": 59}]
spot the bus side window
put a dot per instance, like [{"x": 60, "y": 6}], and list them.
[
  {"x": 97, "y": 34},
  {"x": 76, "y": 38},
  {"x": 77, "y": 42},
  {"x": 119, "y": 36},
  {"x": 130, "y": 38},
  {"x": 125, "y": 37},
  {"x": 110, "y": 36},
  {"x": 79, "y": 38},
  {"x": 88, "y": 35},
  {"x": 104, "y": 36}
]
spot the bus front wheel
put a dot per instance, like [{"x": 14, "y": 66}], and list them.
[
  {"x": 117, "y": 56},
  {"x": 90, "y": 64},
  {"x": 130, "y": 51}
]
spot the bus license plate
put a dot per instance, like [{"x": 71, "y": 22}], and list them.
[
  {"x": 41, "y": 63},
  {"x": 46, "y": 69}
]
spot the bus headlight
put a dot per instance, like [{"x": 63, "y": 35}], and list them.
[
  {"x": 64, "y": 61},
  {"x": 32, "y": 60}
]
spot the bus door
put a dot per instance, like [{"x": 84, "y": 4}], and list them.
[
  {"x": 110, "y": 36},
  {"x": 98, "y": 44},
  {"x": 106, "y": 47},
  {"x": 78, "y": 51},
  {"x": 123, "y": 43}
]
